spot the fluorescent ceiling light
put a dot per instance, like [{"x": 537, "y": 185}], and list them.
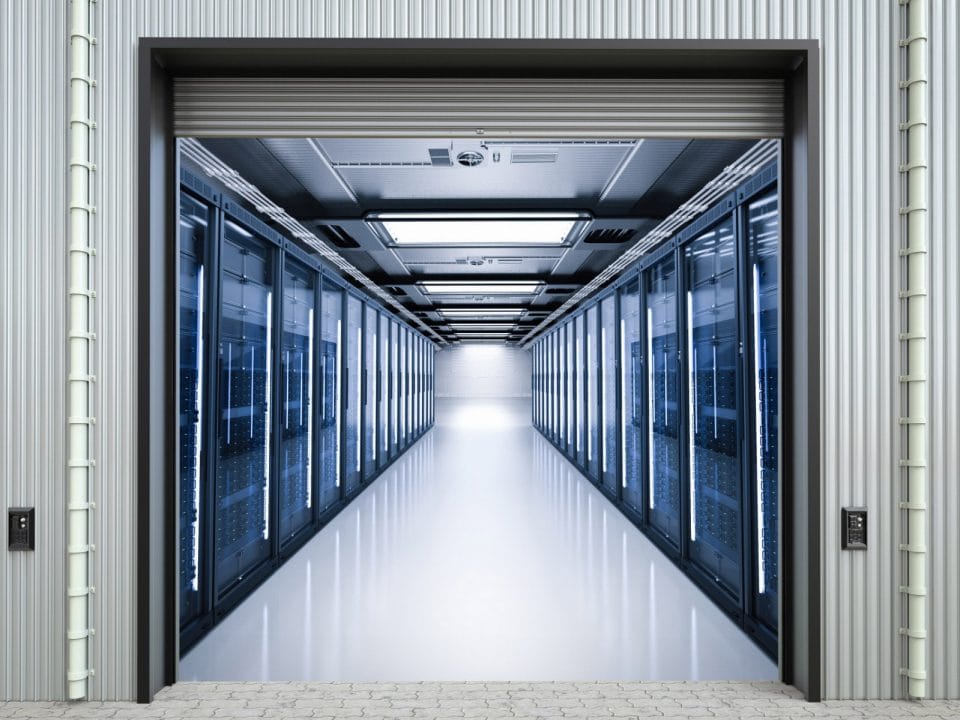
[
  {"x": 483, "y": 326},
  {"x": 481, "y": 288},
  {"x": 475, "y": 336},
  {"x": 479, "y": 228},
  {"x": 481, "y": 313}
]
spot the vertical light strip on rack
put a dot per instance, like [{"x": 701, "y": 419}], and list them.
[
  {"x": 79, "y": 376},
  {"x": 602, "y": 430},
  {"x": 624, "y": 396},
  {"x": 266, "y": 414},
  {"x": 650, "y": 416},
  {"x": 913, "y": 355},
  {"x": 759, "y": 418},
  {"x": 338, "y": 411},
  {"x": 309, "y": 391},
  {"x": 692, "y": 419}
]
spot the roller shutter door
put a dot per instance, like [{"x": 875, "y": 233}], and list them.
[{"x": 536, "y": 108}]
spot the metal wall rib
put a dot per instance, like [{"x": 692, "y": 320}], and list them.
[
  {"x": 943, "y": 573},
  {"x": 860, "y": 238}
]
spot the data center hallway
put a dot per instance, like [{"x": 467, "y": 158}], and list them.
[{"x": 481, "y": 554}]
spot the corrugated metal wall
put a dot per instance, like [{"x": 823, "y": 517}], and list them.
[
  {"x": 860, "y": 238},
  {"x": 944, "y": 344},
  {"x": 33, "y": 343}
]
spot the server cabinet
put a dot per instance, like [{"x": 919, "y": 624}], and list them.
[
  {"x": 242, "y": 493},
  {"x": 430, "y": 385},
  {"x": 297, "y": 375},
  {"x": 609, "y": 422},
  {"x": 404, "y": 387},
  {"x": 540, "y": 377},
  {"x": 559, "y": 349},
  {"x": 535, "y": 384},
  {"x": 558, "y": 431},
  {"x": 547, "y": 394},
  {"x": 411, "y": 387},
  {"x": 551, "y": 385},
  {"x": 195, "y": 234},
  {"x": 593, "y": 393},
  {"x": 762, "y": 223},
  {"x": 331, "y": 393},
  {"x": 395, "y": 400},
  {"x": 631, "y": 397},
  {"x": 417, "y": 385},
  {"x": 353, "y": 395},
  {"x": 713, "y": 418},
  {"x": 569, "y": 392},
  {"x": 662, "y": 392},
  {"x": 370, "y": 390},
  {"x": 580, "y": 368},
  {"x": 383, "y": 390}
]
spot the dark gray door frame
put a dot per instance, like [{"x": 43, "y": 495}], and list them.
[{"x": 162, "y": 59}]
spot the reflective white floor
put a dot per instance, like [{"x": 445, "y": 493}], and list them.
[{"x": 482, "y": 554}]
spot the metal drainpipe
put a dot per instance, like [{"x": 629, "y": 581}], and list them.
[
  {"x": 79, "y": 339},
  {"x": 913, "y": 355}
]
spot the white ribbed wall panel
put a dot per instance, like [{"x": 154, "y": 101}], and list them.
[
  {"x": 944, "y": 346},
  {"x": 33, "y": 260},
  {"x": 479, "y": 370},
  {"x": 859, "y": 267}
]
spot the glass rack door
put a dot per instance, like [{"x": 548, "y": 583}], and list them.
[
  {"x": 244, "y": 367},
  {"x": 394, "y": 389},
  {"x": 631, "y": 396},
  {"x": 569, "y": 392},
  {"x": 593, "y": 393},
  {"x": 383, "y": 390},
  {"x": 713, "y": 383},
  {"x": 762, "y": 275},
  {"x": 580, "y": 432},
  {"x": 662, "y": 394},
  {"x": 196, "y": 219},
  {"x": 296, "y": 393},
  {"x": 353, "y": 395},
  {"x": 331, "y": 381},
  {"x": 370, "y": 390},
  {"x": 609, "y": 421}
]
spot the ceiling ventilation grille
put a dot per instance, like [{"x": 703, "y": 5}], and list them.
[
  {"x": 609, "y": 236},
  {"x": 339, "y": 237},
  {"x": 520, "y": 158}
]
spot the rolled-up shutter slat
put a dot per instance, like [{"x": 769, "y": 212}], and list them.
[{"x": 549, "y": 108}]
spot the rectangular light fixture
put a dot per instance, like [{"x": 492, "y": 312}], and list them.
[
  {"x": 482, "y": 326},
  {"x": 517, "y": 287},
  {"x": 497, "y": 229},
  {"x": 480, "y": 313}
]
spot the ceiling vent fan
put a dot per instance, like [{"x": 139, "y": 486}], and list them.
[{"x": 470, "y": 158}]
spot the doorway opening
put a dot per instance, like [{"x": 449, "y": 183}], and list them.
[{"x": 336, "y": 371}]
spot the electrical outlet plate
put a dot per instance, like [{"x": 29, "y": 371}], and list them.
[
  {"x": 20, "y": 529},
  {"x": 853, "y": 528}
]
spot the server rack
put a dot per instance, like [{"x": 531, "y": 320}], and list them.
[
  {"x": 284, "y": 385},
  {"x": 677, "y": 396}
]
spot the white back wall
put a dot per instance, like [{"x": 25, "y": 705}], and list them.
[{"x": 483, "y": 371}]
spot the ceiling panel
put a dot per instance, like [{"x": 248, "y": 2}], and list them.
[{"x": 382, "y": 172}]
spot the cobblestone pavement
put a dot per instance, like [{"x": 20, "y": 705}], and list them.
[{"x": 485, "y": 700}]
